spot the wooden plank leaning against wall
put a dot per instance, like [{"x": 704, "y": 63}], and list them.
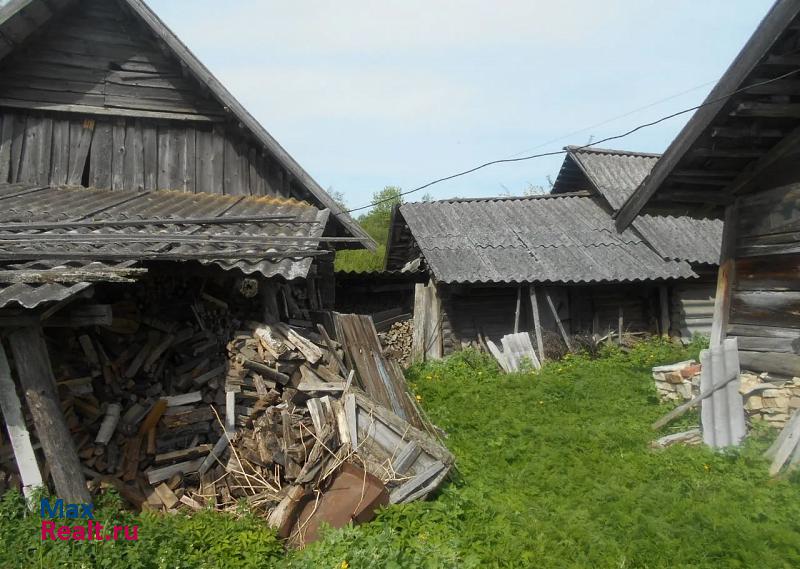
[{"x": 126, "y": 153}]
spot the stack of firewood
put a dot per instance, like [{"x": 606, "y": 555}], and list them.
[
  {"x": 182, "y": 405},
  {"x": 397, "y": 342}
]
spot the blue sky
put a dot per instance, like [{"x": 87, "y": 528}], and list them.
[{"x": 368, "y": 94}]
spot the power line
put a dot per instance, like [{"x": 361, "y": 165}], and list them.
[
  {"x": 595, "y": 143},
  {"x": 616, "y": 118}
]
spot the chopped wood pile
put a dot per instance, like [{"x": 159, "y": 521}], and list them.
[
  {"x": 204, "y": 410},
  {"x": 397, "y": 342}
]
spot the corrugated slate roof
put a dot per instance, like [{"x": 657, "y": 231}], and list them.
[
  {"x": 617, "y": 173},
  {"x": 555, "y": 238},
  {"x": 33, "y": 204}
]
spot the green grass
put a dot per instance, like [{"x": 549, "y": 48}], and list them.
[{"x": 554, "y": 471}]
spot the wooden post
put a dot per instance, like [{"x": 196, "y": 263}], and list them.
[
  {"x": 725, "y": 276},
  {"x": 517, "y": 313},
  {"x": 536, "y": 322},
  {"x": 620, "y": 327},
  {"x": 558, "y": 320},
  {"x": 36, "y": 376},
  {"x": 418, "y": 332},
  {"x": 17, "y": 431},
  {"x": 663, "y": 297}
]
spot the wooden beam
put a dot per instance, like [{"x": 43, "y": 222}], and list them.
[
  {"x": 534, "y": 295},
  {"x": 771, "y": 28},
  {"x": 36, "y": 376},
  {"x": 517, "y": 312},
  {"x": 727, "y": 153},
  {"x": 767, "y": 110},
  {"x": 663, "y": 297},
  {"x": 620, "y": 326},
  {"x": 558, "y": 320},
  {"x": 782, "y": 87},
  {"x": 17, "y": 431},
  {"x": 85, "y": 110},
  {"x": 745, "y": 180},
  {"x": 725, "y": 277},
  {"x": 745, "y": 132}
]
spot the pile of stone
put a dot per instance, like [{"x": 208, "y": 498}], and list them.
[
  {"x": 397, "y": 342},
  {"x": 677, "y": 382},
  {"x": 766, "y": 398},
  {"x": 770, "y": 399}
]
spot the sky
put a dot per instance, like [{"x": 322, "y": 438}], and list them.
[{"x": 369, "y": 94}]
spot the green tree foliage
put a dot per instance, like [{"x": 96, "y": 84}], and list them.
[{"x": 376, "y": 224}]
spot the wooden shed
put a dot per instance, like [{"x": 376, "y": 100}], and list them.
[
  {"x": 120, "y": 153},
  {"x": 738, "y": 159},
  {"x": 551, "y": 264},
  {"x": 100, "y": 93},
  {"x": 613, "y": 176}
]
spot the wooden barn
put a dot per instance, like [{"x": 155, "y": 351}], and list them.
[
  {"x": 551, "y": 264},
  {"x": 100, "y": 93},
  {"x": 613, "y": 176},
  {"x": 123, "y": 159},
  {"x": 738, "y": 159}
]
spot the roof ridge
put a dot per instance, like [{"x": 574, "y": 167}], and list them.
[
  {"x": 592, "y": 149},
  {"x": 577, "y": 194}
]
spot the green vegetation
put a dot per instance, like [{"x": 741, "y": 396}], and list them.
[
  {"x": 554, "y": 471},
  {"x": 376, "y": 224}
]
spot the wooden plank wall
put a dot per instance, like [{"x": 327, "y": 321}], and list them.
[
  {"x": 468, "y": 310},
  {"x": 765, "y": 304},
  {"x": 692, "y": 309},
  {"x": 127, "y": 153},
  {"x": 95, "y": 54}
]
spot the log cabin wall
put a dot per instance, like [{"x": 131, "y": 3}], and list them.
[
  {"x": 471, "y": 310},
  {"x": 93, "y": 100},
  {"x": 764, "y": 309}
]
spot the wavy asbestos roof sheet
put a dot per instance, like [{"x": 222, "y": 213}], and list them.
[
  {"x": 617, "y": 173},
  {"x": 32, "y": 204},
  {"x": 564, "y": 238}
]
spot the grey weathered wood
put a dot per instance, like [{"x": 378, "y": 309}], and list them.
[
  {"x": 61, "y": 150},
  {"x": 36, "y": 376},
  {"x": 6, "y": 138},
  {"x": 534, "y": 296},
  {"x": 789, "y": 441},
  {"x": 401, "y": 494},
  {"x": 663, "y": 297},
  {"x": 100, "y": 163},
  {"x": 118, "y": 152},
  {"x": 81, "y": 134},
  {"x": 561, "y": 329},
  {"x": 17, "y": 430},
  {"x": 518, "y": 309},
  {"x": 772, "y": 362},
  {"x": 155, "y": 475}
]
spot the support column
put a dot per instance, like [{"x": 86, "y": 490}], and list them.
[
  {"x": 663, "y": 297},
  {"x": 17, "y": 431},
  {"x": 36, "y": 376},
  {"x": 536, "y": 321}
]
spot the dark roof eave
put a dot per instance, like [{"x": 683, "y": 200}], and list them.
[{"x": 769, "y": 30}]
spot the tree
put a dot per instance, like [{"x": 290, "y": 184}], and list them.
[{"x": 376, "y": 224}]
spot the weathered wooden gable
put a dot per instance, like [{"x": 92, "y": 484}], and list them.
[
  {"x": 101, "y": 93},
  {"x": 97, "y": 55}
]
